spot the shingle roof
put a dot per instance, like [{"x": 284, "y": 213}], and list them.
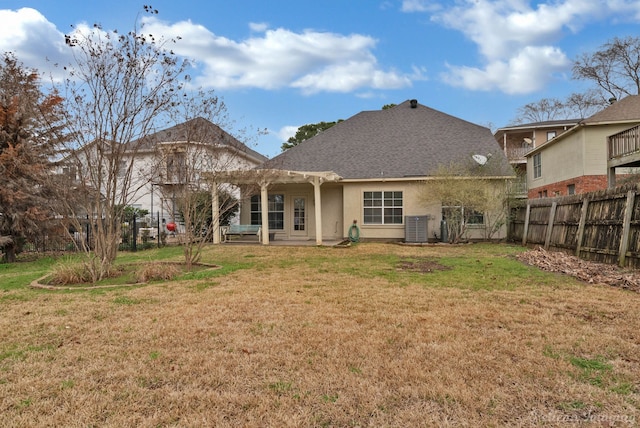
[
  {"x": 196, "y": 130},
  {"x": 627, "y": 109},
  {"x": 543, "y": 124},
  {"x": 398, "y": 142}
]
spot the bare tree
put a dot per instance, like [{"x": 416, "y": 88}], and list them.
[
  {"x": 575, "y": 106},
  {"x": 115, "y": 92},
  {"x": 585, "y": 104},
  {"x": 468, "y": 195},
  {"x": 614, "y": 68},
  {"x": 199, "y": 148},
  {"x": 540, "y": 111}
]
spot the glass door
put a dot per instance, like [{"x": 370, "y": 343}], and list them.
[{"x": 299, "y": 224}]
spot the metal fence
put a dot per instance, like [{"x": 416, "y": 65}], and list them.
[{"x": 136, "y": 234}]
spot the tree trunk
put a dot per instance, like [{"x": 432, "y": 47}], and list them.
[{"x": 9, "y": 253}]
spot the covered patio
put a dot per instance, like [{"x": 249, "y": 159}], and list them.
[{"x": 264, "y": 179}]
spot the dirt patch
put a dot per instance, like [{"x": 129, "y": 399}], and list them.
[
  {"x": 590, "y": 272},
  {"x": 420, "y": 265}
]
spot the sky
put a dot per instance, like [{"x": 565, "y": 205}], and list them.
[{"x": 280, "y": 64}]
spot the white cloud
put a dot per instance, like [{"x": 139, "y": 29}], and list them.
[
  {"x": 311, "y": 61},
  {"x": 527, "y": 71},
  {"x": 419, "y": 6},
  {"x": 517, "y": 42},
  {"x": 286, "y": 132},
  {"x": 499, "y": 27},
  {"x": 35, "y": 41},
  {"x": 258, "y": 27},
  {"x": 630, "y": 8}
]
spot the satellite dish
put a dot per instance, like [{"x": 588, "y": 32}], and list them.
[
  {"x": 480, "y": 159},
  {"x": 528, "y": 140}
]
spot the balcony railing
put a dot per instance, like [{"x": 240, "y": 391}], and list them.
[
  {"x": 624, "y": 143},
  {"x": 517, "y": 187},
  {"x": 515, "y": 154}
]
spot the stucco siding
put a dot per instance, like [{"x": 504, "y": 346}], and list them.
[
  {"x": 342, "y": 203},
  {"x": 332, "y": 224},
  {"x": 560, "y": 161},
  {"x": 331, "y": 201},
  {"x": 580, "y": 154},
  {"x": 354, "y": 208}
]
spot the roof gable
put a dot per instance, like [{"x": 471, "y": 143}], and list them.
[
  {"x": 402, "y": 141},
  {"x": 199, "y": 130},
  {"x": 625, "y": 110}
]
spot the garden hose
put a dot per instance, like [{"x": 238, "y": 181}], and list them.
[{"x": 354, "y": 232}]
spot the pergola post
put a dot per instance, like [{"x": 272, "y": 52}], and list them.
[
  {"x": 215, "y": 213},
  {"x": 318, "y": 209},
  {"x": 265, "y": 178},
  {"x": 264, "y": 207}
]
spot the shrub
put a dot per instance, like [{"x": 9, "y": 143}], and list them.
[
  {"x": 70, "y": 272},
  {"x": 156, "y": 271}
]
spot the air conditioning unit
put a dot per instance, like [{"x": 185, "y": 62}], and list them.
[{"x": 415, "y": 228}]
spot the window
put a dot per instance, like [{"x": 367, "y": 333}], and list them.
[
  {"x": 383, "y": 208},
  {"x": 461, "y": 216},
  {"x": 298, "y": 214},
  {"x": 122, "y": 169},
  {"x": 550, "y": 135},
  {"x": 276, "y": 211},
  {"x": 176, "y": 167},
  {"x": 474, "y": 217},
  {"x": 571, "y": 189},
  {"x": 537, "y": 165},
  {"x": 70, "y": 172}
]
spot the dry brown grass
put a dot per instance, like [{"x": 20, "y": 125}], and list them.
[{"x": 325, "y": 337}]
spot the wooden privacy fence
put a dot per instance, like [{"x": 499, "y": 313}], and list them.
[{"x": 601, "y": 226}]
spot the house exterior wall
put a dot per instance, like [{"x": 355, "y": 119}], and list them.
[
  {"x": 150, "y": 167},
  {"x": 560, "y": 161},
  {"x": 512, "y": 140},
  {"x": 354, "y": 208},
  {"x": 342, "y": 203},
  {"x": 582, "y": 184},
  {"x": 579, "y": 158},
  {"x": 331, "y": 200},
  {"x": 332, "y": 219},
  {"x": 413, "y": 204}
]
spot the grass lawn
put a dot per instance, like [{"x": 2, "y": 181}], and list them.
[{"x": 378, "y": 335}]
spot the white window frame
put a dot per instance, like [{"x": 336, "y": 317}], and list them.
[
  {"x": 276, "y": 211},
  {"x": 537, "y": 165},
  {"x": 383, "y": 207}
]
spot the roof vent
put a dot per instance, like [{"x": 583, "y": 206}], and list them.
[
  {"x": 414, "y": 103},
  {"x": 612, "y": 100}
]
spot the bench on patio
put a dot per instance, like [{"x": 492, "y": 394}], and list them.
[{"x": 241, "y": 230}]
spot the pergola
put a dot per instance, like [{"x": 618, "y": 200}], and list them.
[{"x": 265, "y": 178}]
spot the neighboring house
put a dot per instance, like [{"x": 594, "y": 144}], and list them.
[
  {"x": 517, "y": 140},
  {"x": 579, "y": 160},
  {"x": 370, "y": 169},
  {"x": 180, "y": 155},
  {"x": 168, "y": 158}
]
